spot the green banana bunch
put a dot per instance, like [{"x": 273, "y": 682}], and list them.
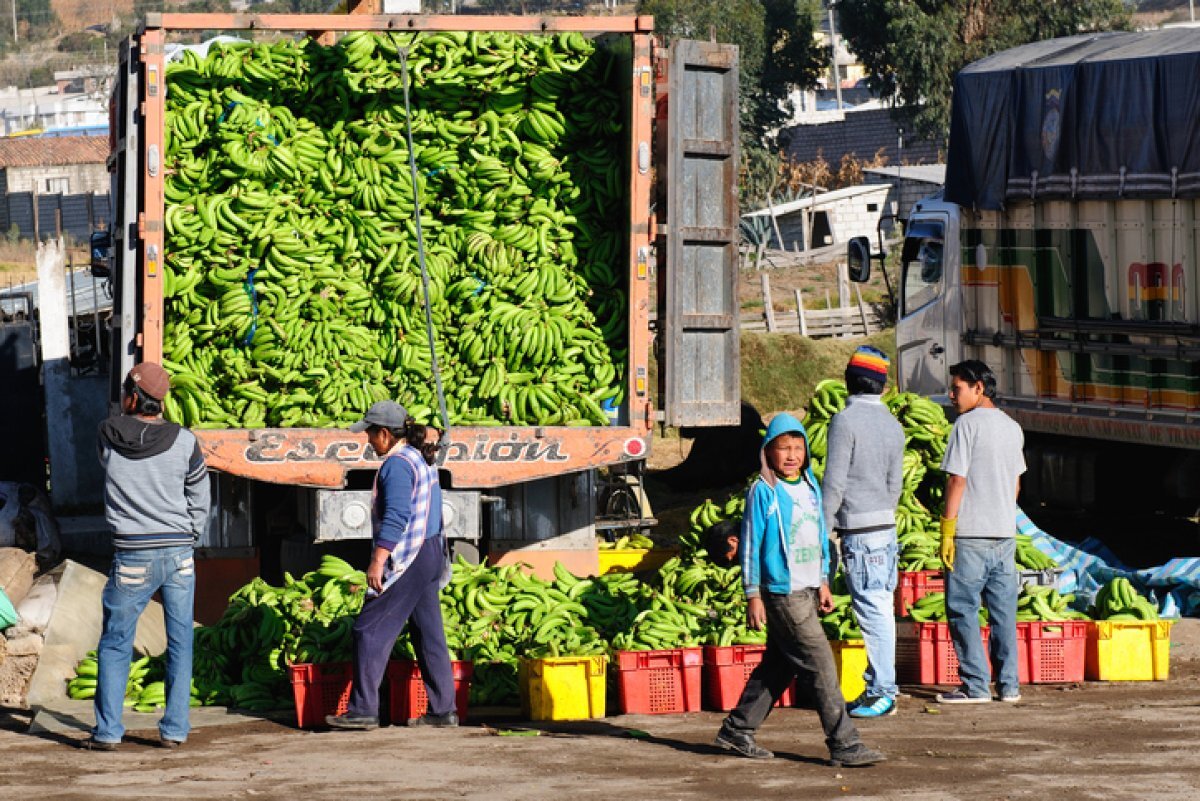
[
  {"x": 1045, "y": 604},
  {"x": 291, "y": 282},
  {"x": 707, "y": 515},
  {"x": 640, "y": 541},
  {"x": 931, "y": 608},
  {"x": 1030, "y": 558},
  {"x": 1119, "y": 600}
]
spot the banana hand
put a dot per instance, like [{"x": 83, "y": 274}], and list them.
[{"x": 947, "y": 545}]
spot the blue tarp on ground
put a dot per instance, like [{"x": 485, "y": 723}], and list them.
[{"x": 1087, "y": 566}]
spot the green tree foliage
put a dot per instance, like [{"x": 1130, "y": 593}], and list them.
[
  {"x": 776, "y": 53},
  {"x": 35, "y": 19},
  {"x": 912, "y": 49}
]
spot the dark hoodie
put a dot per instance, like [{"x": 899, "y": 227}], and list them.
[{"x": 156, "y": 491}]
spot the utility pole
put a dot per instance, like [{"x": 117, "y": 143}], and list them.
[
  {"x": 14, "y": 10},
  {"x": 837, "y": 79}
]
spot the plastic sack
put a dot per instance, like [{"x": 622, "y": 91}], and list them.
[{"x": 8, "y": 615}]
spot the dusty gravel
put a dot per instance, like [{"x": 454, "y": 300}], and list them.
[{"x": 1089, "y": 741}]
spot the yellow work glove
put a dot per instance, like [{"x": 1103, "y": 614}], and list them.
[{"x": 949, "y": 524}]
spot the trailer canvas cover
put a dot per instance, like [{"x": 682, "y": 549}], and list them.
[{"x": 1094, "y": 116}]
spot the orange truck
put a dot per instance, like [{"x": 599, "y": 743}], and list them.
[{"x": 514, "y": 490}]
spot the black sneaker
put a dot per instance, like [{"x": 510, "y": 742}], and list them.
[
  {"x": 350, "y": 721},
  {"x": 446, "y": 721},
  {"x": 92, "y": 744},
  {"x": 741, "y": 743},
  {"x": 855, "y": 756}
]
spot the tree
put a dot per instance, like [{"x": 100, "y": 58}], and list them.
[
  {"x": 777, "y": 52},
  {"x": 912, "y": 49}
]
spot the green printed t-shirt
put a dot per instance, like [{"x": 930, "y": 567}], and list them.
[{"x": 804, "y": 538}]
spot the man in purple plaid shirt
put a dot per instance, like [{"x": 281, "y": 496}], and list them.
[{"x": 404, "y": 577}]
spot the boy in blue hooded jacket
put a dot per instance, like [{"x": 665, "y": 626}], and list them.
[{"x": 785, "y": 564}]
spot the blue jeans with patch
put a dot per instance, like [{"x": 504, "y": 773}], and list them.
[
  {"x": 870, "y": 563},
  {"x": 135, "y": 576},
  {"x": 984, "y": 570}
]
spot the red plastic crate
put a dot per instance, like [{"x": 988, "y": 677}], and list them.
[
  {"x": 726, "y": 671},
  {"x": 911, "y": 586},
  {"x": 1051, "y": 652},
  {"x": 406, "y": 689},
  {"x": 925, "y": 653},
  {"x": 320, "y": 690},
  {"x": 659, "y": 682}
]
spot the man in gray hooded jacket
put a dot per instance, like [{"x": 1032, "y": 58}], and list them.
[{"x": 156, "y": 503}]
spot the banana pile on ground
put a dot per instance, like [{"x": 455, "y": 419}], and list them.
[
  {"x": 242, "y": 660},
  {"x": 1030, "y": 558},
  {"x": 640, "y": 541},
  {"x": 1120, "y": 600},
  {"x": 292, "y": 284},
  {"x": 495, "y": 615},
  {"x": 145, "y": 690},
  {"x": 931, "y": 608},
  {"x": 714, "y": 594},
  {"x": 1046, "y": 604}
]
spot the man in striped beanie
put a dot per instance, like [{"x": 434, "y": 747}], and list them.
[{"x": 861, "y": 486}]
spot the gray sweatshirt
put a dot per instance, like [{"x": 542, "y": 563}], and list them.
[
  {"x": 863, "y": 466},
  {"x": 156, "y": 491}
]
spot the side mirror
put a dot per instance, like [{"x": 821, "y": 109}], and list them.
[
  {"x": 858, "y": 256},
  {"x": 101, "y": 247}
]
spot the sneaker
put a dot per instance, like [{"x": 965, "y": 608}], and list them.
[
  {"x": 446, "y": 721},
  {"x": 741, "y": 743},
  {"x": 960, "y": 696},
  {"x": 92, "y": 744},
  {"x": 350, "y": 721},
  {"x": 877, "y": 707},
  {"x": 855, "y": 756},
  {"x": 167, "y": 742},
  {"x": 1010, "y": 697}
]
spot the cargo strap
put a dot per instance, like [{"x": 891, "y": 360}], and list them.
[{"x": 444, "y": 439}]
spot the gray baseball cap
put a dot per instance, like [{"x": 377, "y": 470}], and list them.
[{"x": 385, "y": 414}]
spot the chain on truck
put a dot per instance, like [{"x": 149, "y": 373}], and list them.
[
  {"x": 1062, "y": 252},
  {"x": 515, "y": 491}
]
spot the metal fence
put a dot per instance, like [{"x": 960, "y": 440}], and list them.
[{"x": 52, "y": 215}]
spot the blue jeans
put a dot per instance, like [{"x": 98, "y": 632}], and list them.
[
  {"x": 134, "y": 578},
  {"x": 870, "y": 561},
  {"x": 984, "y": 569}
]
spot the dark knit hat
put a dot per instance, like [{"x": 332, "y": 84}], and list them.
[{"x": 868, "y": 362}]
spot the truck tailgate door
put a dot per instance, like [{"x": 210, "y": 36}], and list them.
[{"x": 698, "y": 305}]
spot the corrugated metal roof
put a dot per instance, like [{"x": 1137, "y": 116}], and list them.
[{"x": 28, "y": 151}]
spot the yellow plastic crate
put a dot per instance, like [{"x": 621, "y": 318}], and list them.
[
  {"x": 563, "y": 687},
  {"x": 1128, "y": 650},
  {"x": 851, "y": 659},
  {"x": 626, "y": 560}
]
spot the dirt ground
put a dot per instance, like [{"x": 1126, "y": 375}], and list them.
[{"x": 1090, "y": 741}]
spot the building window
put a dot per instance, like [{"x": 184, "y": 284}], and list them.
[{"x": 56, "y": 186}]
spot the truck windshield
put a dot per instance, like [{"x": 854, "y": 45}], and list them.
[{"x": 922, "y": 265}]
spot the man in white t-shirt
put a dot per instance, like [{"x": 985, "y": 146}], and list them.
[{"x": 984, "y": 463}]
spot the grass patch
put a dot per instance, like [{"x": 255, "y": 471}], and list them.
[{"x": 779, "y": 371}]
